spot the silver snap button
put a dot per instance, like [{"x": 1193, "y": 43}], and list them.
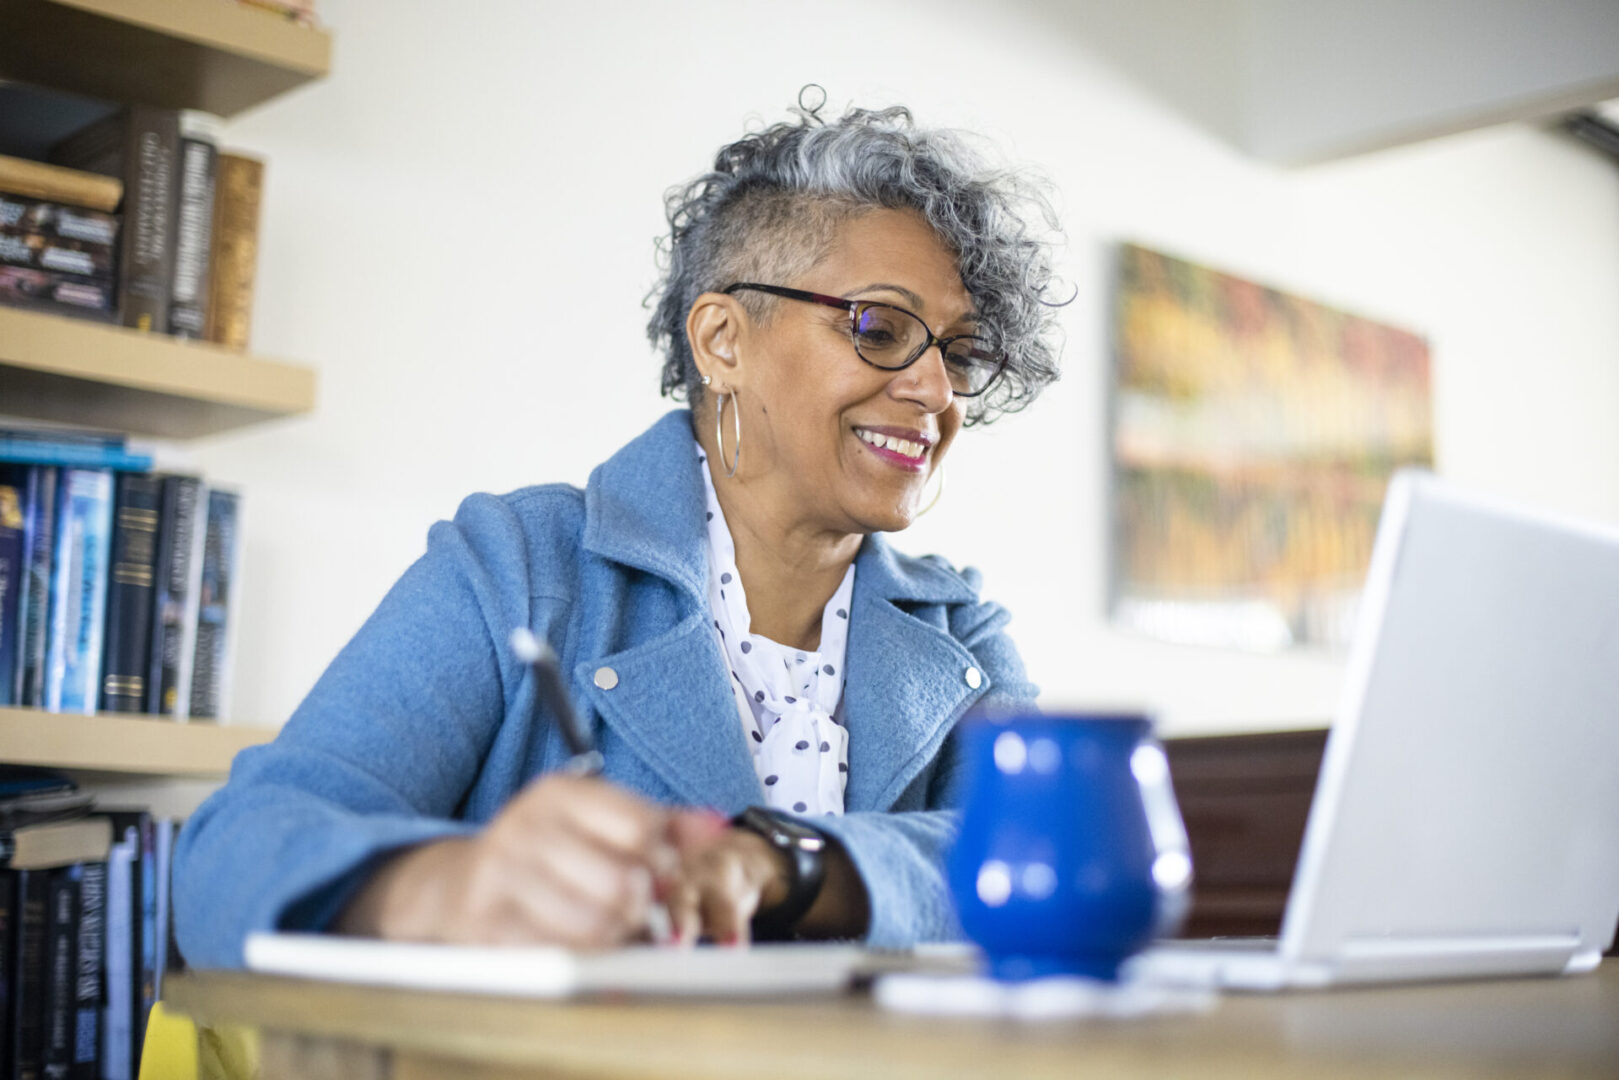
[
  {"x": 606, "y": 678},
  {"x": 974, "y": 678}
]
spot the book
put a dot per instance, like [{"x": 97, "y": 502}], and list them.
[
  {"x": 28, "y": 974},
  {"x": 55, "y": 843},
  {"x": 211, "y": 660},
  {"x": 58, "y": 293},
  {"x": 142, "y": 145},
  {"x": 74, "y": 454},
  {"x": 87, "y": 995},
  {"x": 33, "y": 605},
  {"x": 61, "y": 975},
  {"x": 78, "y": 600},
  {"x": 13, "y": 568},
  {"x": 8, "y": 923},
  {"x": 120, "y": 970},
  {"x": 128, "y": 633},
  {"x": 233, "y": 262},
  {"x": 175, "y": 599},
  {"x": 38, "y": 250},
  {"x": 57, "y": 222},
  {"x": 37, "y": 180},
  {"x": 194, "y": 223}
]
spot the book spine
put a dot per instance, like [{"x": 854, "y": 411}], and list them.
[
  {"x": 39, "y": 217},
  {"x": 87, "y": 986},
  {"x": 239, "y": 191},
  {"x": 79, "y": 590},
  {"x": 61, "y": 974},
  {"x": 13, "y": 568},
  {"x": 177, "y": 523},
  {"x": 129, "y": 598},
  {"x": 48, "y": 290},
  {"x": 76, "y": 455},
  {"x": 117, "y": 1050},
  {"x": 39, "y": 181},
  {"x": 151, "y": 154},
  {"x": 41, "y": 251},
  {"x": 28, "y": 978},
  {"x": 194, "y": 223},
  {"x": 210, "y": 680},
  {"x": 163, "y": 860},
  {"x": 39, "y": 532},
  {"x": 146, "y": 988},
  {"x": 8, "y": 956}
]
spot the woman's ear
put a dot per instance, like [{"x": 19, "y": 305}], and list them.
[{"x": 714, "y": 328}]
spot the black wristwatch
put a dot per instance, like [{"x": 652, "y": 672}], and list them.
[{"x": 805, "y": 848}]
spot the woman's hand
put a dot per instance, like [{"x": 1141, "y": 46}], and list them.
[
  {"x": 569, "y": 861},
  {"x": 722, "y": 883}
]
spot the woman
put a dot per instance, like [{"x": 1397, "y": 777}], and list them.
[{"x": 840, "y": 300}]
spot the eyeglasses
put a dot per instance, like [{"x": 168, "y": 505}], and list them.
[{"x": 892, "y": 338}]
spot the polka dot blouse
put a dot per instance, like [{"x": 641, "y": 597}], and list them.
[{"x": 789, "y": 700}]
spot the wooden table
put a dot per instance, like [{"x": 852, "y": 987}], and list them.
[{"x": 1507, "y": 1029}]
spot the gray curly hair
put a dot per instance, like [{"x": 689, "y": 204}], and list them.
[{"x": 769, "y": 209}]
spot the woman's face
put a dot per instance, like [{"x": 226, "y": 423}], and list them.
[{"x": 820, "y": 417}]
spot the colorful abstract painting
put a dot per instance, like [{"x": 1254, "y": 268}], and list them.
[{"x": 1254, "y": 434}]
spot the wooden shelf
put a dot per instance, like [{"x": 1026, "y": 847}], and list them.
[
  {"x": 122, "y": 744},
  {"x": 74, "y": 371},
  {"x": 177, "y": 54}
]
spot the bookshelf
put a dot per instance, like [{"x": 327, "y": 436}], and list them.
[
  {"x": 70, "y": 370},
  {"x": 131, "y": 745},
  {"x": 176, "y": 54},
  {"x": 223, "y": 58}
]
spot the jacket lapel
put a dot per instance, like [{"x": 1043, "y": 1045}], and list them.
[{"x": 907, "y": 680}]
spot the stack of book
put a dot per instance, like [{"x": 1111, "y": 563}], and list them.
[
  {"x": 58, "y": 239},
  {"x": 85, "y": 929},
  {"x": 138, "y": 219},
  {"x": 117, "y": 584}
]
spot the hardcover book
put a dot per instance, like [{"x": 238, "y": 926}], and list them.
[
  {"x": 121, "y": 952},
  {"x": 141, "y": 144},
  {"x": 57, "y": 293},
  {"x": 36, "y": 250},
  {"x": 239, "y": 189},
  {"x": 194, "y": 223},
  {"x": 39, "y": 536},
  {"x": 129, "y": 599},
  {"x": 174, "y": 601},
  {"x": 78, "y": 603},
  {"x": 210, "y": 678},
  {"x": 28, "y": 974},
  {"x": 92, "y": 879},
  {"x": 8, "y": 931},
  {"x": 13, "y": 568},
  {"x": 61, "y": 969}
]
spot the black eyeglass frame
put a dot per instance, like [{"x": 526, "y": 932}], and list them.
[{"x": 854, "y": 307}]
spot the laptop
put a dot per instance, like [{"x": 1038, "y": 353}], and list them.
[{"x": 1466, "y": 818}]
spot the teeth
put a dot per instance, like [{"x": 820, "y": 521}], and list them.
[{"x": 889, "y": 442}]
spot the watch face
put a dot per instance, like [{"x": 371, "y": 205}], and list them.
[{"x": 784, "y": 831}]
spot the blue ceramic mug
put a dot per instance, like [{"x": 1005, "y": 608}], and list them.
[{"x": 1072, "y": 854}]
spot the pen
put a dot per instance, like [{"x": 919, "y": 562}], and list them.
[{"x": 552, "y": 693}]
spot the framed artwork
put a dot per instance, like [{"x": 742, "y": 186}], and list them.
[{"x": 1253, "y": 434}]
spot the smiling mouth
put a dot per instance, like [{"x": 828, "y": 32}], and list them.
[{"x": 909, "y": 452}]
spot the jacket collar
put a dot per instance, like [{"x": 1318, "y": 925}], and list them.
[
  {"x": 644, "y": 508},
  {"x": 905, "y": 679}
]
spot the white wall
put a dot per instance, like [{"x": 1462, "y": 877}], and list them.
[{"x": 458, "y": 234}]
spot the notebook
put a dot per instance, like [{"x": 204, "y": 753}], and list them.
[
  {"x": 549, "y": 972},
  {"x": 1466, "y": 818}
]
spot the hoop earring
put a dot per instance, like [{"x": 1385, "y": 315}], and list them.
[
  {"x": 736, "y": 422},
  {"x": 937, "y": 495}
]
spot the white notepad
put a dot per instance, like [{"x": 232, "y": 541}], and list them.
[{"x": 549, "y": 972}]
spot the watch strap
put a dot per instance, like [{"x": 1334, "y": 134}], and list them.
[{"x": 805, "y": 847}]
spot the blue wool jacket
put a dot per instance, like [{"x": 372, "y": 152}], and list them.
[{"x": 422, "y": 726}]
